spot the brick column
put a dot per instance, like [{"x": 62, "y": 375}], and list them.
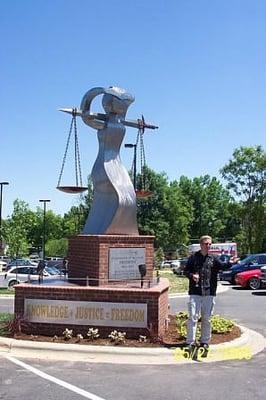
[{"x": 88, "y": 256}]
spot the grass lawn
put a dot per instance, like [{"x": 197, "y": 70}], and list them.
[
  {"x": 5, "y": 291},
  {"x": 178, "y": 284},
  {"x": 4, "y": 319},
  {"x": 5, "y": 316}
]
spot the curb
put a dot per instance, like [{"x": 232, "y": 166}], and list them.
[{"x": 249, "y": 344}]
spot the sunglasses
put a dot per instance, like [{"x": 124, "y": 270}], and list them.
[{"x": 207, "y": 244}]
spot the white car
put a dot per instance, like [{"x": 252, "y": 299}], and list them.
[
  {"x": 3, "y": 265},
  {"x": 175, "y": 263},
  {"x": 166, "y": 264},
  {"x": 177, "y": 267},
  {"x": 20, "y": 274}
]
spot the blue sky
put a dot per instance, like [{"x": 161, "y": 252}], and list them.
[{"x": 196, "y": 68}]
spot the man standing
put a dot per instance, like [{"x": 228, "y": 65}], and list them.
[
  {"x": 202, "y": 270},
  {"x": 40, "y": 268}
]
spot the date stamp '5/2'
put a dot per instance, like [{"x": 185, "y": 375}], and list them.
[{"x": 222, "y": 354}]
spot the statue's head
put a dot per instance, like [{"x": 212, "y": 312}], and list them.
[{"x": 116, "y": 100}]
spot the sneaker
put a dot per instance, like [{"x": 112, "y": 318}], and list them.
[
  {"x": 203, "y": 350},
  {"x": 192, "y": 351}
]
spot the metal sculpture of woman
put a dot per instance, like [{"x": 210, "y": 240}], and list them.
[{"x": 113, "y": 209}]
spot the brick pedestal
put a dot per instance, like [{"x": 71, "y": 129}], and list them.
[
  {"x": 127, "y": 305},
  {"x": 88, "y": 256},
  {"x": 155, "y": 297}
]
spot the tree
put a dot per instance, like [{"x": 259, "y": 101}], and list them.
[
  {"x": 246, "y": 177},
  {"x": 179, "y": 214},
  {"x": 16, "y": 230},
  {"x": 56, "y": 247},
  {"x": 54, "y": 227},
  {"x": 24, "y": 229},
  {"x": 233, "y": 224},
  {"x": 158, "y": 257},
  {"x": 15, "y": 238},
  {"x": 209, "y": 205},
  {"x": 74, "y": 220},
  {"x": 151, "y": 211},
  {"x": 166, "y": 214}
]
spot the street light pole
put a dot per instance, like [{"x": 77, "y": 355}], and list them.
[
  {"x": 44, "y": 226},
  {"x": 131, "y": 145},
  {"x": 1, "y": 200}
]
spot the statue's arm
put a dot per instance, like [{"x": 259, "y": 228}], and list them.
[{"x": 85, "y": 105}]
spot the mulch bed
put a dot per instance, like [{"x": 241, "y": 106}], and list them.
[{"x": 170, "y": 338}]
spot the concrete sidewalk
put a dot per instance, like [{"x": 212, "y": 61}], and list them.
[{"x": 249, "y": 344}]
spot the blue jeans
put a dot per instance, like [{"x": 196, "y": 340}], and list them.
[{"x": 199, "y": 306}]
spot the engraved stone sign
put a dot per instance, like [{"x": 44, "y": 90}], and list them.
[
  {"x": 124, "y": 263},
  {"x": 86, "y": 313}
]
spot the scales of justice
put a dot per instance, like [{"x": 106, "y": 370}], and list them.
[{"x": 113, "y": 210}]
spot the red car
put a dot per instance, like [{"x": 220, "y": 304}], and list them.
[{"x": 249, "y": 279}]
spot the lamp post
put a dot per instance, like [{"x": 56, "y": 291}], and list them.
[
  {"x": 1, "y": 199},
  {"x": 44, "y": 226},
  {"x": 131, "y": 145}
]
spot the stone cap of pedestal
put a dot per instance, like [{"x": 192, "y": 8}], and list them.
[
  {"x": 125, "y": 238},
  {"x": 46, "y": 288}
]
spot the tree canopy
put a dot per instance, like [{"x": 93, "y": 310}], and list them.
[
  {"x": 245, "y": 174},
  {"x": 177, "y": 213}
]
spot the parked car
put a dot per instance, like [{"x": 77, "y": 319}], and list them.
[
  {"x": 21, "y": 262},
  {"x": 5, "y": 259},
  {"x": 183, "y": 262},
  {"x": 52, "y": 272},
  {"x": 34, "y": 257},
  {"x": 166, "y": 264},
  {"x": 18, "y": 274},
  {"x": 178, "y": 269},
  {"x": 249, "y": 279},
  {"x": 3, "y": 265},
  {"x": 169, "y": 264},
  {"x": 225, "y": 257},
  {"x": 59, "y": 264},
  {"x": 175, "y": 264},
  {"x": 250, "y": 263},
  {"x": 263, "y": 276}
]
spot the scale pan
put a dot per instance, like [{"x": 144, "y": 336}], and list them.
[
  {"x": 143, "y": 194},
  {"x": 72, "y": 189}
]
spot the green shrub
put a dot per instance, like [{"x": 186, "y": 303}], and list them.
[{"x": 219, "y": 325}]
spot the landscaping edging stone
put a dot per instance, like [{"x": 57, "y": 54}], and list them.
[{"x": 250, "y": 343}]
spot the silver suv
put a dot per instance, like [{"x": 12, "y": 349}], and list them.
[{"x": 20, "y": 274}]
